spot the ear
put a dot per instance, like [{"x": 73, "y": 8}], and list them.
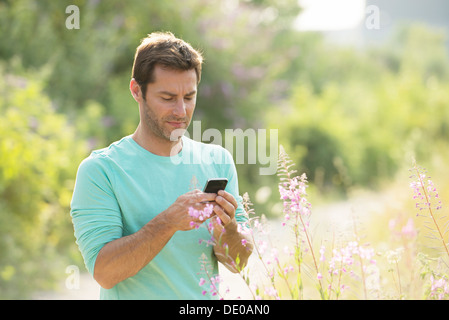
[{"x": 134, "y": 87}]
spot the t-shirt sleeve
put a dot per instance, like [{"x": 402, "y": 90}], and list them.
[{"x": 95, "y": 211}]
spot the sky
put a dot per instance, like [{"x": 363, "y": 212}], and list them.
[{"x": 327, "y": 15}]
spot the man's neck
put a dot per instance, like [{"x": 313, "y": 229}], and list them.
[{"x": 156, "y": 145}]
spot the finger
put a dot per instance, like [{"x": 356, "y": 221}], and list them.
[
  {"x": 226, "y": 206},
  {"x": 217, "y": 224},
  {"x": 224, "y": 217},
  {"x": 205, "y": 197},
  {"x": 229, "y": 197}
]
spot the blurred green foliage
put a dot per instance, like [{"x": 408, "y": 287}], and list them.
[
  {"x": 39, "y": 151},
  {"x": 347, "y": 117},
  {"x": 392, "y": 106}
]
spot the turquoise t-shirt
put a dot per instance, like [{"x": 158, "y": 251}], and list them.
[{"x": 120, "y": 188}]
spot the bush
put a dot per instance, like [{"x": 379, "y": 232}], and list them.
[
  {"x": 360, "y": 130},
  {"x": 39, "y": 154}
]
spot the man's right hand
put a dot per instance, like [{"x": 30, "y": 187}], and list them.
[{"x": 178, "y": 212}]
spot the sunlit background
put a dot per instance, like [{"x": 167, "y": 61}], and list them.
[
  {"x": 356, "y": 90},
  {"x": 326, "y": 15}
]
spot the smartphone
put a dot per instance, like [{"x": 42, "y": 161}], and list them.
[{"x": 215, "y": 185}]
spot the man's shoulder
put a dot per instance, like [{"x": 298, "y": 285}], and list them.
[
  {"x": 113, "y": 150},
  {"x": 101, "y": 157}
]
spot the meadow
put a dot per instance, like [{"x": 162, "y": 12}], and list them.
[
  {"x": 350, "y": 118},
  {"x": 397, "y": 252}
]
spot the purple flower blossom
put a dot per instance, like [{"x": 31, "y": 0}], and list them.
[
  {"x": 439, "y": 288},
  {"x": 424, "y": 191},
  {"x": 293, "y": 193},
  {"x": 322, "y": 251},
  {"x": 200, "y": 215},
  {"x": 429, "y": 199},
  {"x": 343, "y": 259}
]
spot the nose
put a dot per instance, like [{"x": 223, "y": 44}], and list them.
[{"x": 180, "y": 109}]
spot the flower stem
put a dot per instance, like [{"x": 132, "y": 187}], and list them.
[
  {"x": 421, "y": 182},
  {"x": 399, "y": 279},
  {"x": 313, "y": 254},
  {"x": 362, "y": 268},
  {"x": 298, "y": 259}
]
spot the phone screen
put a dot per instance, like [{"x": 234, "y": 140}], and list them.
[{"x": 215, "y": 185}]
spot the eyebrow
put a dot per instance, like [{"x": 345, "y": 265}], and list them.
[{"x": 191, "y": 93}]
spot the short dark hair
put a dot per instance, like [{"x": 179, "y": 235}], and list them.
[{"x": 164, "y": 49}]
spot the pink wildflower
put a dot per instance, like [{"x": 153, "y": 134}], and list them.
[
  {"x": 424, "y": 191},
  {"x": 293, "y": 193},
  {"x": 409, "y": 229},
  {"x": 200, "y": 215},
  {"x": 288, "y": 269},
  {"x": 439, "y": 288},
  {"x": 343, "y": 259},
  {"x": 322, "y": 250}
]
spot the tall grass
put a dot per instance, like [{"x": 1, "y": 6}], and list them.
[{"x": 345, "y": 265}]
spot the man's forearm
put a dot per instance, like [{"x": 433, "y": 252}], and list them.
[
  {"x": 124, "y": 257},
  {"x": 233, "y": 246}
]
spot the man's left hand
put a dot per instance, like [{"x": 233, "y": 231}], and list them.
[{"x": 225, "y": 209}]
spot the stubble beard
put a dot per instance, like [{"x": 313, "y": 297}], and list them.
[{"x": 157, "y": 125}]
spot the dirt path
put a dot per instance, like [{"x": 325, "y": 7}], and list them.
[{"x": 89, "y": 290}]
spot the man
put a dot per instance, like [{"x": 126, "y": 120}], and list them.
[{"x": 130, "y": 206}]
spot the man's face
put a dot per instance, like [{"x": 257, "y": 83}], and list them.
[{"x": 170, "y": 102}]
